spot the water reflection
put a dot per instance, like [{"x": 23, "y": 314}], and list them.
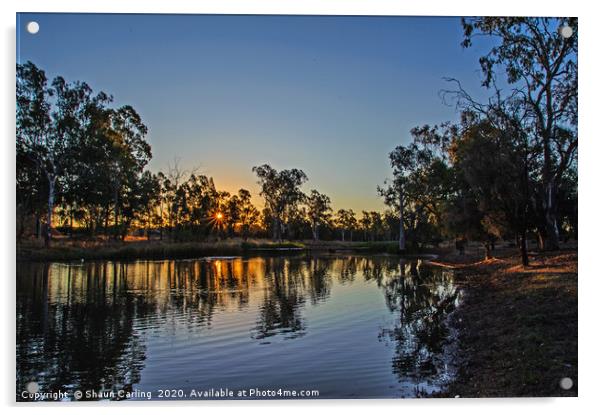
[
  {"x": 303, "y": 321},
  {"x": 84, "y": 340},
  {"x": 424, "y": 346}
]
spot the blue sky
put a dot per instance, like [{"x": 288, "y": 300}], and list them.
[{"x": 329, "y": 95}]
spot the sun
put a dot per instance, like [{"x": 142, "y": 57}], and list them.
[{"x": 219, "y": 216}]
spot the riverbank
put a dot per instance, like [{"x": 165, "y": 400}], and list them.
[
  {"x": 517, "y": 326},
  {"x": 67, "y": 250}
]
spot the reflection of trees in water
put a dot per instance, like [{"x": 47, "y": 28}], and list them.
[
  {"x": 81, "y": 341},
  {"x": 84, "y": 326},
  {"x": 424, "y": 296},
  {"x": 283, "y": 297},
  {"x": 319, "y": 279},
  {"x": 378, "y": 268},
  {"x": 79, "y": 325},
  {"x": 289, "y": 284}
]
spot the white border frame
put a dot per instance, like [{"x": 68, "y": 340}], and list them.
[{"x": 589, "y": 171}]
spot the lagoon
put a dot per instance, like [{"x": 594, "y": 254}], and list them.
[{"x": 274, "y": 326}]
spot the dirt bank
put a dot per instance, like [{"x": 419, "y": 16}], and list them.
[{"x": 518, "y": 325}]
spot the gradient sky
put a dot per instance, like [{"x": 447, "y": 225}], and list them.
[{"x": 329, "y": 95}]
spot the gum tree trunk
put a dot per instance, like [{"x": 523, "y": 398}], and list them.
[
  {"x": 523, "y": 248},
  {"x": 552, "y": 237},
  {"x": 51, "y": 195},
  {"x": 402, "y": 236}
]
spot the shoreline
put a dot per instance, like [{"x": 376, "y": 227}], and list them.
[
  {"x": 517, "y": 326},
  {"x": 156, "y": 250}
]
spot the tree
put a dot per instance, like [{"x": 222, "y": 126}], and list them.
[
  {"x": 376, "y": 224},
  {"x": 420, "y": 185},
  {"x": 173, "y": 180},
  {"x": 541, "y": 66},
  {"x": 346, "y": 221},
  {"x": 365, "y": 224},
  {"x": 149, "y": 198},
  {"x": 48, "y": 121},
  {"x": 281, "y": 192},
  {"x": 391, "y": 223},
  {"x": 494, "y": 164},
  {"x": 89, "y": 154},
  {"x": 129, "y": 153},
  {"x": 249, "y": 214},
  {"x": 30, "y": 192},
  {"x": 233, "y": 213},
  {"x": 201, "y": 200},
  {"x": 318, "y": 210}
]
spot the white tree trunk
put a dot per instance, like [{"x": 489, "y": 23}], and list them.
[{"x": 552, "y": 236}]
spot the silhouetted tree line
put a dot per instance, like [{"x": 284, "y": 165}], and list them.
[{"x": 81, "y": 166}]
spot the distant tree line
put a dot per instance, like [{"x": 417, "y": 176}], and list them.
[{"x": 81, "y": 167}]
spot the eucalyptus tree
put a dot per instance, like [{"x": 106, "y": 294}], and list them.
[
  {"x": 129, "y": 153},
  {"x": 346, "y": 221},
  {"x": 172, "y": 180},
  {"x": 376, "y": 225},
  {"x": 49, "y": 121},
  {"x": 391, "y": 224},
  {"x": 30, "y": 192},
  {"x": 36, "y": 133},
  {"x": 403, "y": 160},
  {"x": 201, "y": 201},
  {"x": 364, "y": 223},
  {"x": 96, "y": 169},
  {"x": 282, "y": 193},
  {"x": 249, "y": 215},
  {"x": 372, "y": 225},
  {"x": 420, "y": 184},
  {"x": 149, "y": 199},
  {"x": 232, "y": 213},
  {"x": 86, "y": 186},
  {"x": 318, "y": 211},
  {"x": 496, "y": 171},
  {"x": 538, "y": 57}
]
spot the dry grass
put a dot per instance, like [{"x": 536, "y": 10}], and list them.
[
  {"x": 518, "y": 325},
  {"x": 131, "y": 250},
  {"x": 139, "y": 248}
]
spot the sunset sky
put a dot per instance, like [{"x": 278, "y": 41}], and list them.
[{"x": 329, "y": 95}]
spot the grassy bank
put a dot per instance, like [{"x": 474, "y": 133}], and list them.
[
  {"x": 389, "y": 247},
  {"x": 65, "y": 250},
  {"x": 131, "y": 250},
  {"x": 518, "y": 326}
]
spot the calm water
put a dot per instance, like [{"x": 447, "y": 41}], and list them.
[{"x": 346, "y": 326}]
